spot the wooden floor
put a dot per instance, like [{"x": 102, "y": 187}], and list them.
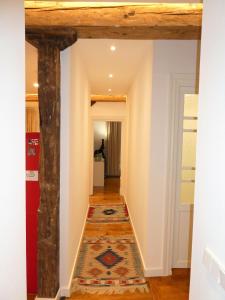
[
  {"x": 175, "y": 287},
  {"x": 112, "y": 185}
]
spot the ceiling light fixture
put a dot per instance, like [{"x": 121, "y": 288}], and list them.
[
  {"x": 36, "y": 85},
  {"x": 110, "y": 75},
  {"x": 113, "y": 48}
]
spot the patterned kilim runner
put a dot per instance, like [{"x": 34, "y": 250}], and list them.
[
  {"x": 108, "y": 264},
  {"x": 107, "y": 214}
]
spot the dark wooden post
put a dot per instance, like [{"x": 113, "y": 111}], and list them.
[{"x": 49, "y": 45}]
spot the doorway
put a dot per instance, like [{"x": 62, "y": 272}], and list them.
[
  {"x": 106, "y": 156},
  {"x": 182, "y": 169},
  {"x": 185, "y": 182},
  {"x": 136, "y": 108}
]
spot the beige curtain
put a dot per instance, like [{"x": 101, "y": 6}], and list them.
[
  {"x": 32, "y": 118},
  {"x": 113, "y": 148}
]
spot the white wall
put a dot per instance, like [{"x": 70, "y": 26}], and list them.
[
  {"x": 100, "y": 132},
  {"x": 12, "y": 151},
  {"x": 138, "y": 153},
  {"x": 148, "y": 143},
  {"x": 170, "y": 58},
  {"x": 108, "y": 110},
  {"x": 209, "y": 221},
  {"x": 74, "y": 159}
]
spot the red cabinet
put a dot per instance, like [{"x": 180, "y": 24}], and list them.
[{"x": 32, "y": 204}]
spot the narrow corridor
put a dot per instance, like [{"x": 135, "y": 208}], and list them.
[
  {"x": 175, "y": 287},
  {"x": 108, "y": 260}
]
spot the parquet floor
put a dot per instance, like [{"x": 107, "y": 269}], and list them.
[
  {"x": 112, "y": 185},
  {"x": 175, "y": 287}
]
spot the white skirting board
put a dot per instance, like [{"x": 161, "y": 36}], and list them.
[
  {"x": 57, "y": 297},
  {"x": 148, "y": 272},
  {"x": 66, "y": 290}
]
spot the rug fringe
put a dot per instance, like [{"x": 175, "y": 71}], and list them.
[{"x": 108, "y": 290}]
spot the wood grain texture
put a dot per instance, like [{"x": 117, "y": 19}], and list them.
[
  {"x": 91, "y": 230},
  {"x": 111, "y": 187},
  {"x": 109, "y": 98},
  {"x": 59, "y": 37},
  {"x": 48, "y": 213},
  {"x": 109, "y": 198},
  {"x": 175, "y": 287},
  {"x": 49, "y": 46},
  {"x": 125, "y": 296},
  {"x": 32, "y": 97},
  {"x": 150, "y": 21}
]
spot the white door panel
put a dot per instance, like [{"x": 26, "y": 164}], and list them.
[
  {"x": 183, "y": 237},
  {"x": 185, "y": 179}
]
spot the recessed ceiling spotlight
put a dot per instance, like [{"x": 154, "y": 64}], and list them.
[
  {"x": 109, "y": 90},
  {"x": 113, "y": 48},
  {"x": 110, "y": 75},
  {"x": 36, "y": 85}
]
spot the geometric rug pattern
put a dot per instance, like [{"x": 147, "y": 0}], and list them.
[
  {"x": 107, "y": 214},
  {"x": 108, "y": 264}
]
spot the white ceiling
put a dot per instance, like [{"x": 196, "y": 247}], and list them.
[
  {"x": 99, "y": 61},
  {"x": 123, "y": 63}
]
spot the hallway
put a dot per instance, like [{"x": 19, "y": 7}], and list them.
[
  {"x": 175, "y": 287},
  {"x": 108, "y": 260},
  {"x": 126, "y": 71},
  {"x": 146, "y": 184}
]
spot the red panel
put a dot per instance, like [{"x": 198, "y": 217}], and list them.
[{"x": 32, "y": 204}]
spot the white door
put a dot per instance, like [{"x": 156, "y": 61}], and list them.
[{"x": 185, "y": 181}]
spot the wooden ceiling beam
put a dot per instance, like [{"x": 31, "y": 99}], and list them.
[
  {"x": 94, "y": 98},
  {"x": 108, "y": 98},
  {"x": 32, "y": 97},
  {"x": 150, "y": 21}
]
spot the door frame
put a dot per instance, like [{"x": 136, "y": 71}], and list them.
[
  {"x": 122, "y": 150},
  {"x": 180, "y": 84}
]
